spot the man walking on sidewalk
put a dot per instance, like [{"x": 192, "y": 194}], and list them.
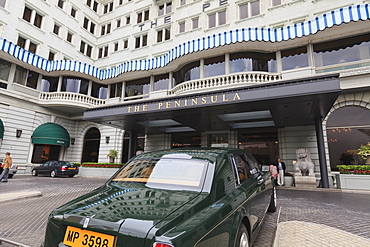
[{"x": 6, "y": 166}]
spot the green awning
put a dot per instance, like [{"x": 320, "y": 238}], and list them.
[
  {"x": 51, "y": 133},
  {"x": 1, "y": 129}
]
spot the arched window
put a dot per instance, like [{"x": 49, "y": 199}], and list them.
[
  {"x": 347, "y": 129},
  {"x": 91, "y": 146}
]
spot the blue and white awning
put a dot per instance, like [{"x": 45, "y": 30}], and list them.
[{"x": 335, "y": 17}]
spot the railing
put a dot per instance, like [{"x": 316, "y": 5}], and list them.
[
  {"x": 225, "y": 81},
  {"x": 67, "y": 97}
]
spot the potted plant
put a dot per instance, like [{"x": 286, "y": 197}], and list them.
[
  {"x": 364, "y": 152},
  {"x": 112, "y": 155}
]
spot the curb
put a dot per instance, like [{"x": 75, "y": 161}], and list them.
[{"x": 19, "y": 195}]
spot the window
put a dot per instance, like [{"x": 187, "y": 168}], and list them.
[
  {"x": 128, "y": 20},
  {"x": 2, "y": 3},
  {"x": 27, "y": 14},
  {"x": 252, "y": 61},
  {"x": 115, "y": 90},
  {"x": 163, "y": 34},
  {"x": 195, "y": 23},
  {"x": 294, "y": 58},
  {"x": 49, "y": 84},
  {"x": 36, "y": 20},
  {"x": 242, "y": 168},
  {"x": 32, "y": 47},
  {"x": 276, "y": 2},
  {"x": 20, "y": 75},
  {"x": 214, "y": 66},
  {"x": 92, "y": 28},
  {"x": 181, "y": 27},
  {"x": 125, "y": 44},
  {"x": 73, "y": 12},
  {"x": 116, "y": 46},
  {"x": 60, "y": 4},
  {"x": 51, "y": 56},
  {"x": 188, "y": 72},
  {"x": 137, "y": 87},
  {"x": 4, "y": 70},
  {"x": 182, "y": 2},
  {"x": 217, "y": 19},
  {"x": 74, "y": 85},
  {"x": 143, "y": 16},
  {"x": 69, "y": 37},
  {"x": 161, "y": 82},
  {"x": 108, "y": 8},
  {"x": 32, "y": 79},
  {"x": 85, "y": 48},
  {"x": 118, "y": 23},
  {"x": 21, "y": 42},
  {"x": 249, "y": 9},
  {"x": 26, "y": 44},
  {"x": 88, "y": 3},
  {"x": 95, "y": 7},
  {"x": 56, "y": 29},
  {"x": 103, "y": 52},
  {"x": 106, "y": 29},
  {"x": 165, "y": 8},
  {"x": 342, "y": 51},
  {"x": 89, "y": 25},
  {"x": 141, "y": 41},
  {"x": 99, "y": 91}
]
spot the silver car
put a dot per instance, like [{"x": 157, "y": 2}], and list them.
[{"x": 12, "y": 171}]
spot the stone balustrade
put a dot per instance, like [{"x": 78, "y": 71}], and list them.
[
  {"x": 57, "y": 97},
  {"x": 225, "y": 81}
]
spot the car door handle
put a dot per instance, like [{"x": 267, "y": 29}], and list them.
[{"x": 261, "y": 181}]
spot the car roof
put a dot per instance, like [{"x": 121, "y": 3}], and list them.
[{"x": 210, "y": 154}]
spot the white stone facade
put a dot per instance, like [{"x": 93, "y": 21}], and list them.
[{"x": 64, "y": 29}]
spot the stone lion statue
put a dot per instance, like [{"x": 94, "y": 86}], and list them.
[{"x": 304, "y": 165}]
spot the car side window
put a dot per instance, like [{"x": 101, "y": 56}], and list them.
[{"x": 242, "y": 168}]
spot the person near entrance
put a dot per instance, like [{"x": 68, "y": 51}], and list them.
[
  {"x": 6, "y": 166},
  {"x": 280, "y": 166}
]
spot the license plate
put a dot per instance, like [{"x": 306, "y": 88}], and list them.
[
  {"x": 71, "y": 168},
  {"x": 76, "y": 237}
]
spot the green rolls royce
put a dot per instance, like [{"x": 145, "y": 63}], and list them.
[{"x": 203, "y": 197}]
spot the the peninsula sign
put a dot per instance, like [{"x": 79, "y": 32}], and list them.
[{"x": 183, "y": 102}]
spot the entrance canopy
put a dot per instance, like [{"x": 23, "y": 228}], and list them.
[
  {"x": 278, "y": 104},
  {"x": 1, "y": 129},
  {"x": 51, "y": 133}
]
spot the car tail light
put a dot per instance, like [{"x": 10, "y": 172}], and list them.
[
  {"x": 162, "y": 245},
  {"x": 63, "y": 168}
]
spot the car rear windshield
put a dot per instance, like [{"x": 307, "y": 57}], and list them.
[{"x": 172, "y": 174}]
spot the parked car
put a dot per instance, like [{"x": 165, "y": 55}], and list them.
[
  {"x": 170, "y": 198},
  {"x": 12, "y": 171},
  {"x": 56, "y": 168}
]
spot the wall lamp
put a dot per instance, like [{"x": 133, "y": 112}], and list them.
[
  {"x": 73, "y": 141},
  {"x": 107, "y": 139},
  {"x": 18, "y": 133}
]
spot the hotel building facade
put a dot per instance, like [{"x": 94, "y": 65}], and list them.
[{"x": 79, "y": 78}]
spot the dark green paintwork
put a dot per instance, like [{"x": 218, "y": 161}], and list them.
[{"x": 139, "y": 216}]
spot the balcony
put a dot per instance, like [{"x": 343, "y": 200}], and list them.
[{"x": 224, "y": 82}]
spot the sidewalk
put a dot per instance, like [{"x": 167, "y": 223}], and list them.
[
  {"x": 19, "y": 195},
  {"x": 299, "y": 233}
]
